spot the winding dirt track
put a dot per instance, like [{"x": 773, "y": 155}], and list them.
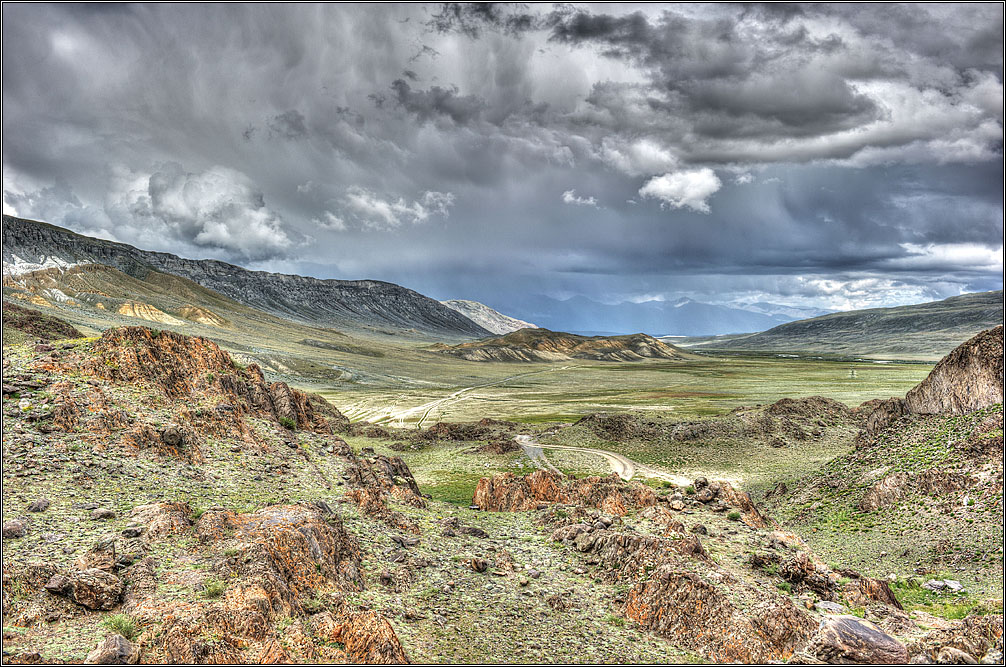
[
  {"x": 398, "y": 416},
  {"x": 623, "y": 466}
]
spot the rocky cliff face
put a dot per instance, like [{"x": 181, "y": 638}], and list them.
[
  {"x": 367, "y": 305},
  {"x": 487, "y": 318},
  {"x": 969, "y": 378}
]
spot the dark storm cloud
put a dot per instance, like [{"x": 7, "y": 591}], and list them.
[
  {"x": 839, "y": 156},
  {"x": 437, "y": 101}
]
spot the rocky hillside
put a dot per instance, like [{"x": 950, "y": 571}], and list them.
[
  {"x": 927, "y": 330},
  {"x": 21, "y": 324},
  {"x": 544, "y": 345},
  {"x": 163, "y": 503},
  {"x": 358, "y": 305},
  {"x": 925, "y": 482},
  {"x": 487, "y": 318}
]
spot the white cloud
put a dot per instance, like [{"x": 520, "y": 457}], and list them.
[
  {"x": 643, "y": 157},
  {"x": 331, "y": 221},
  {"x": 691, "y": 188},
  {"x": 216, "y": 208},
  {"x": 569, "y": 197},
  {"x": 743, "y": 178},
  {"x": 375, "y": 212},
  {"x": 950, "y": 256}
]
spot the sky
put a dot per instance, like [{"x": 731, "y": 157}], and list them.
[{"x": 831, "y": 156}]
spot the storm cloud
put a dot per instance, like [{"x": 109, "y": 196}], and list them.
[{"x": 817, "y": 155}]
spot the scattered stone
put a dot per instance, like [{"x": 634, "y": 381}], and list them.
[
  {"x": 113, "y": 650},
  {"x": 699, "y": 529},
  {"x": 826, "y": 607},
  {"x": 473, "y": 531},
  {"x": 405, "y": 542},
  {"x": 949, "y": 655},
  {"x": 133, "y": 531},
  {"x": 13, "y": 529},
  {"x": 993, "y": 657},
  {"x": 102, "y": 514},
  {"x": 479, "y": 564},
  {"x": 700, "y": 483},
  {"x": 534, "y": 574},
  {"x": 523, "y": 581},
  {"x": 677, "y": 505},
  {"x": 40, "y": 505}
]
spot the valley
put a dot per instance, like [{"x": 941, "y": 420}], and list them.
[{"x": 167, "y": 449}]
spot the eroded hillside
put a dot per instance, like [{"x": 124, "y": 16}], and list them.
[{"x": 165, "y": 503}]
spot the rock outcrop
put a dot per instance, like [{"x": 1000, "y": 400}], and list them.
[
  {"x": 967, "y": 379},
  {"x": 510, "y": 493}
]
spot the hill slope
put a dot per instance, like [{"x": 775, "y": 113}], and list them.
[
  {"x": 358, "y": 305},
  {"x": 545, "y": 345},
  {"x": 925, "y": 482},
  {"x": 487, "y": 318},
  {"x": 926, "y": 330}
]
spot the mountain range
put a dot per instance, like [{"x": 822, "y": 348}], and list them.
[
  {"x": 683, "y": 317},
  {"x": 358, "y": 306}
]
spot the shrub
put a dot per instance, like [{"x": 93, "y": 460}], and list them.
[
  {"x": 286, "y": 422},
  {"x": 785, "y": 586},
  {"x": 121, "y": 624},
  {"x": 690, "y": 490},
  {"x": 734, "y": 516},
  {"x": 213, "y": 588}
]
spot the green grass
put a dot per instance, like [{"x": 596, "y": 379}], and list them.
[
  {"x": 213, "y": 588},
  {"x": 287, "y": 422},
  {"x": 122, "y": 624}
]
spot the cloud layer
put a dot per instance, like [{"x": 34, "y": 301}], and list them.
[{"x": 723, "y": 152}]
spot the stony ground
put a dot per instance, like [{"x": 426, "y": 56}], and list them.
[{"x": 157, "y": 490}]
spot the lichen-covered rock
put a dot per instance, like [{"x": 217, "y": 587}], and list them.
[
  {"x": 113, "y": 650},
  {"x": 91, "y": 588},
  {"x": 885, "y": 493},
  {"x": 368, "y": 638},
  {"x": 162, "y": 518},
  {"x": 847, "y": 639},
  {"x": 975, "y": 635},
  {"x": 967, "y": 379},
  {"x": 510, "y": 493},
  {"x": 694, "y": 614}
]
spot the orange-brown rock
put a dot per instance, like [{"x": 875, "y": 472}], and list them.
[
  {"x": 368, "y": 637},
  {"x": 510, "y": 493},
  {"x": 865, "y": 591},
  {"x": 162, "y": 518},
  {"x": 742, "y": 501},
  {"x": 694, "y": 614},
  {"x": 183, "y": 366}
]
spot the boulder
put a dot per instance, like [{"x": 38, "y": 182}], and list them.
[
  {"x": 40, "y": 505},
  {"x": 113, "y": 650},
  {"x": 14, "y": 529},
  {"x": 91, "y": 588},
  {"x": 967, "y": 379},
  {"x": 949, "y": 655},
  {"x": 847, "y": 639}
]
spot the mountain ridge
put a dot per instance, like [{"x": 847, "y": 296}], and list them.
[
  {"x": 364, "y": 305},
  {"x": 929, "y": 329},
  {"x": 486, "y": 317}
]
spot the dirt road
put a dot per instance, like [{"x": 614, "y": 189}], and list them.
[{"x": 623, "y": 466}]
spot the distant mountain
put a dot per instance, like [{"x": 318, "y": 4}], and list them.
[
  {"x": 683, "y": 317},
  {"x": 361, "y": 306},
  {"x": 545, "y": 345},
  {"x": 789, "y": 312},
  {"x": 487, "y": 318},
  {"x": 923, "y": 331}
]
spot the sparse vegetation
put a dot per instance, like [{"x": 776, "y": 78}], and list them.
[
  {"x": 288, "y": 423},
  {"x": 213, "y": 588},
  {"x": 122, "y": 624}
]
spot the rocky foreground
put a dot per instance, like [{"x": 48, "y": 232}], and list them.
[{"x": 162, "y": 503}]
